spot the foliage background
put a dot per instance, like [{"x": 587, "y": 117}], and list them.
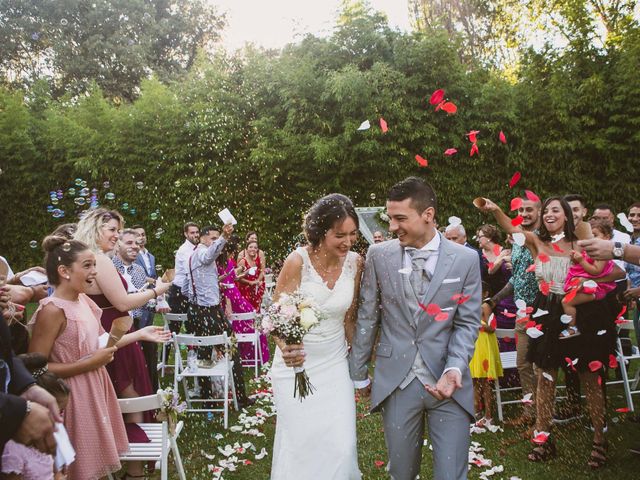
[{"x": 264, "y": 133}]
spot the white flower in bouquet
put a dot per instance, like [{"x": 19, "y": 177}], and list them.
[{"x": 308, "y": 318}]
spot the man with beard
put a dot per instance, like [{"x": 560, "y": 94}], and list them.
[{"x": 523, "y": 286}]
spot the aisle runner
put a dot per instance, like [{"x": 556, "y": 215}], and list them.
[{"x": 232, "y": 457}]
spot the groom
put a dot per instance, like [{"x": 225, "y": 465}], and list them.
[{"x": 422, "y": 362}]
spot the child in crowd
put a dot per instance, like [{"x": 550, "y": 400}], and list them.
[
  {"x": 485, "y": 366},
  {"x": 66, "y": 329},
  {"x": 20, "y": 462},
  {"x": 584, "y": 268}
]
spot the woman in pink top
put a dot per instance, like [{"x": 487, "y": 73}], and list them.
[{"x": 66, "y": 329}]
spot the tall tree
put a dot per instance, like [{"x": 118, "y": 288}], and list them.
[{"x": 115, "y": 43}]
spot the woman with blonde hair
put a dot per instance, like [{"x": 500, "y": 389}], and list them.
[{"x": 100, "y": 231}]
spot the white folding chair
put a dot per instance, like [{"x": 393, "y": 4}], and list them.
[
  {"x": 508, "y": 360},
  {"x": 269, "y": 283},
  {"x": 221, "y": 367},
  {"x": 630, "y": 386},
  {"x": 161, "y": 439},
  {"x": 169, "y": 317},
  {"x": 249, "y": 337}
]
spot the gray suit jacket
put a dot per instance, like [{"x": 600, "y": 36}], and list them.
[{"x": 383, "y": 306}]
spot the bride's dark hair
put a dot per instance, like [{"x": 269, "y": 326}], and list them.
[{"x": 325, "y": 213}]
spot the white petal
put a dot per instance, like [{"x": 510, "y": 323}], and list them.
[
  {"x": 533, "y": 332},
  {"x": 455, "y": 221},
  {"x": 547, "y": 376},
  {"x": 566, "y": 318},
  {"x": 364, "y": 125},
  {"x": 601, "y": 332},
  {"x": 590, "y": 284},
  {"x": 624, "y": 221},
  {"x": 405, "y": 271},
  {"x": 539, "y": 313}
]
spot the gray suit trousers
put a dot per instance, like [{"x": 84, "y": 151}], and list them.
[{"x": 403, "y": 414}]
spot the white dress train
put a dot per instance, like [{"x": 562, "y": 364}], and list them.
[{"x": 316, "y": 438}]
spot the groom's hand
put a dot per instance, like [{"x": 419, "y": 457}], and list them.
[{"x": 448, "y": 383}]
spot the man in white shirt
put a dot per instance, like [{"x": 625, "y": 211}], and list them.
[
  {"x": 177, "y": 295},
  {"x": 604, "y": 212}
]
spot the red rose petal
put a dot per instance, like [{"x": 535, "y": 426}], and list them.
[
  {"x": 496, "y": 250},
  {"x": 502, "y": 138},
  {"x": 623, "y": 410},
  {"x": 516, "y": 203},
  {"x": 531, "y": 268},
  {"x": 449, "y": 107},
  {"x": 474, "y": 150},
  {"x": 570, "y": 363},
  {"x": 613, "y": 361},
  {"x": 514, "y": 179},
  {"x": 530, "y": 324},
  {"x": 531, "y": 196},
  {"x": 570, "y": 295},
  {"x": 544, "y": 287},
  {"x": 378, "y": 463},
  {"x": 517, "y": 221},
  {"x": 437, "y": 97},
  {"x": 441, "y": 317},
  {"x": 450, "y": 151},
  {"x": 493, "y": 323},
  {"x": 431, "y": 309},
  {"x": 595, "y": 365},
  {"x": 472, "y": 135},
  {"x": 423, "y": 162},
  {"x": 543, "y": 257},
  {"x": 383, "y": 125},
  {"x": 556, "y": 248},
  {"x": 485, "y": 365}
]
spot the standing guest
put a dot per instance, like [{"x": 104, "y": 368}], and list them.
[
  {"x": 632, "y": 294},
  {"x": 378, "y": 236},
  {"x": 498, "y": 266},
  {"x": 147, "y": 261},
  {"x": 22, "y": 462},
  {"x": 66, "y": 330},
  {"x": 228, "y": 273},
  {"x": 458, "y": 234},
  {"x": 604, "y": 212},
  {"x": 579, "y": 211},
  {"x": 547, "y": 351},
  {"x": 252, "y": 284},
  {"x": 252, "y": 237},
  {"x": 522, "y": 286},
  {"x": 99, "y": 230},
  {"x": 177, "y": 298},
  {"x": 205, "y": 316},
  {"x": 127, "y": 252}
]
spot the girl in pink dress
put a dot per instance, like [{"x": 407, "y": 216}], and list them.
[
  {"x": 585, "y": 268},
  {"x": 66, "y": 329},
  {"x": 251, "y": 284}
]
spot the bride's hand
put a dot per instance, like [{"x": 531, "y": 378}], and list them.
[{"x": 293, "y": 355}]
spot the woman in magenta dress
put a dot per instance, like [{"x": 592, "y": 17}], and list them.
[
  {"x": 100, "y": 230},
  {"x": 228, "y": 274},
  {"x": 251, "y": 284}
]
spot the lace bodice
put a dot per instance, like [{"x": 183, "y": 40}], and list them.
[
  {"x": 554, "y": 271},
  {"x": 334, "y": 302}
]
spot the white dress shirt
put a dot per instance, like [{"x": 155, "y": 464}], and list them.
[
  {"x": 182, "y": 267},
  {"x": 623, "y": 238}
]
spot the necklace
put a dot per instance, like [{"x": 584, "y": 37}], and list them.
[{"x": 322, "y": 267}]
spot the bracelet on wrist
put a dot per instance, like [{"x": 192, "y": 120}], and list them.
[
  {"x": 489, "y": 301},
  {"x": 155, "y": 294}
]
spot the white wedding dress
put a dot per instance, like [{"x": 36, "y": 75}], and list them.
[{"x": 316, "y": 437}]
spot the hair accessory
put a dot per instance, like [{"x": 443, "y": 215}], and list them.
[{"x": 40, "y": 371}]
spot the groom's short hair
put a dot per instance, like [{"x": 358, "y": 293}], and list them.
[{"x": 420, "y": 192}]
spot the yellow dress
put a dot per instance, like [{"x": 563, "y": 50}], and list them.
[{"x": 485, "y": 362}]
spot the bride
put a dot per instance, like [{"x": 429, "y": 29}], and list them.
[{"x": 316, "y": 437}]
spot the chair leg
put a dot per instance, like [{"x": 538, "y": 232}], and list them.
[
  {"x": 499, "y": 400},
  {"x": 233, "y": 390},
  {"x": 226, "y": 401},
  {"x": 625, "y": 379},
  {"x": 177, "y": 459}
]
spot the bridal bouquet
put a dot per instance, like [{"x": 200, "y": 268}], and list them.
[
  {"x": 290, "y": 318},
  {"x": 170, "y": 409}
]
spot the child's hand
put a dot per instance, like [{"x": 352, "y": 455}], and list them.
[{"x": 576, "y": 257}]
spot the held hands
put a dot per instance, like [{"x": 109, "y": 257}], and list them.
[
  {"x": 39, "y": 395},
  {"x": 448, "y": 383}
]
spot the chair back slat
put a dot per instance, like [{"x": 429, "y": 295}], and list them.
[
  {"x": 505, "y": 333},
  {"x": 175, "y": 317},
  {"x": 242, "y": 316},
  {"x": 204, "y": 341},
  {"x": 141, "y": 404}
]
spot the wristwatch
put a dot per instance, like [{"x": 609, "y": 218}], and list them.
[
  {"x": 28, "y": 409},
  {"x": 618, "y": 250}
]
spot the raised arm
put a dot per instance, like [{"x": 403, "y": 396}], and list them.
[
  {"x": 505, "y": 223},
  {"x": 111, "y": 286}
]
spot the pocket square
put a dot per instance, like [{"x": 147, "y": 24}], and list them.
[{"x": 451, "y": 280}]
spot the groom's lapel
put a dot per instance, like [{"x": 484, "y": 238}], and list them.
[
  {"x": 445, "y": 262},
  {"x": 394, "y": 257}
]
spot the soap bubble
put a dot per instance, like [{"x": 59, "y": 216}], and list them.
[
  {"x": 57, "y": 213},
  {"x": 372, "y": 196},
  {"x": 177, "y": 183},
  {"x": 84, "y": 192},
  {"x": 78, "y": 182},
  {"x": 125, "y": 206},
  {"x": 79, "y": 201},
  {"x": 132, "y": 211},
  {"x": 64, "y": 22},
  {"x": 33, "y": 244},
  {"x": 110, "y": 196},
  {"x": 54, "y": 201},
  {"x": 106, "y": 184},
  {"x": 71, "y": 192},
  {"x": 154, "y": 215},
  {"x": 66, "y": 246},
  {"x": 139, "y": 185}
]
